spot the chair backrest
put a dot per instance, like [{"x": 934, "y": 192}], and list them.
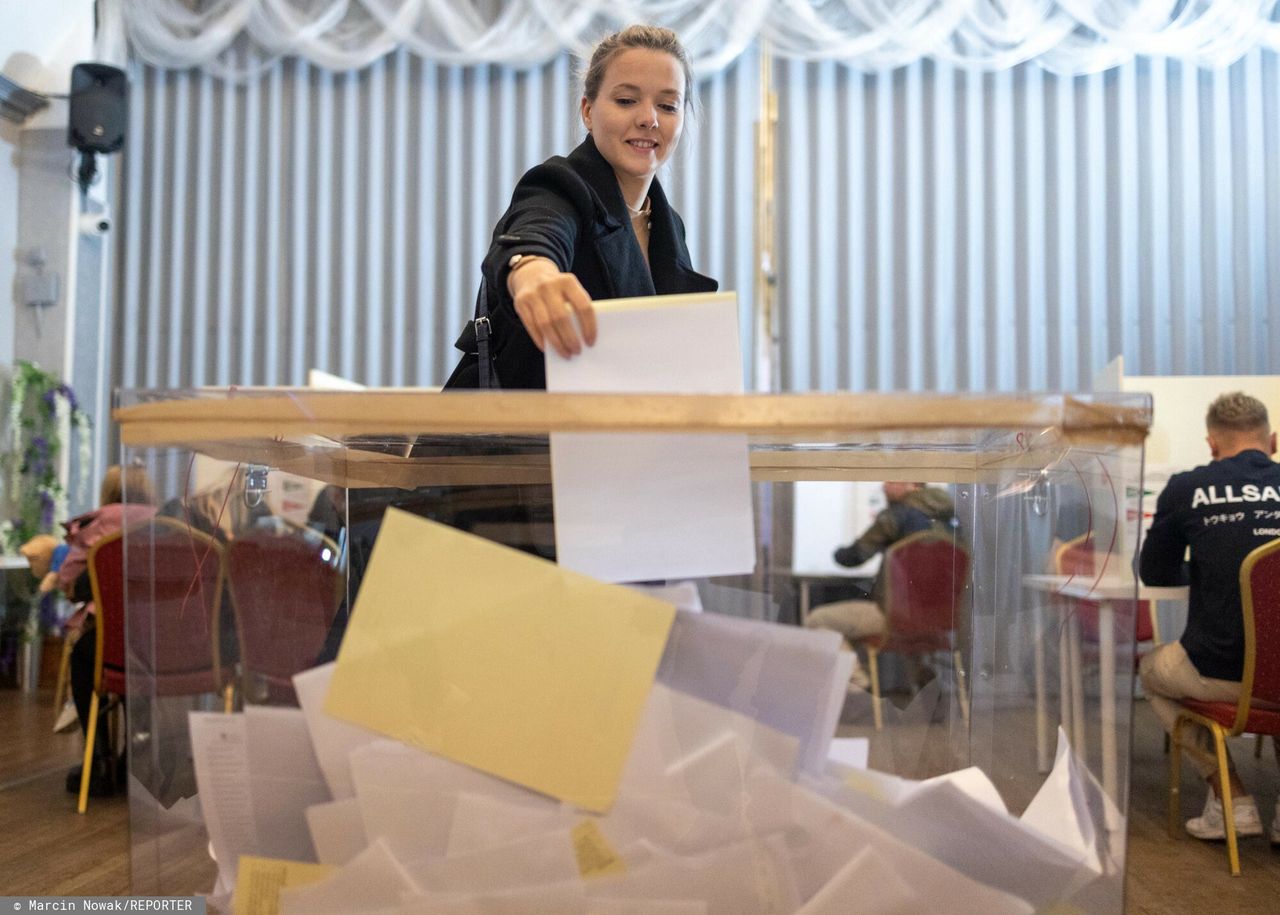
[
  {"x": 157, "y": 590},
  {"x": 285, "y": 592},
  {"x": 925, "y": 578},
  {"x": 1260, "y": 604},
  {"x": 106, "y": 578},
  {"x": 1078, "y": 557}
]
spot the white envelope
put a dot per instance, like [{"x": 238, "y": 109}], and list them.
[
  {"x": 337, "y": 831},
  {"x": 833, "y": 837},
  {"x": 750, "y": 876},
  {"x": 850, "y": 752},
  {"x": 372, "y": 880},
  {"x": 794, "y": 680},
  {"x": 332, "y": 740},
  {"x": 672, "y": 825},
  {"x": 407, "y": 796},
  {"x": 533, "y": 861},
  {"x": 943, "y": 819},
  {"x": 604, "y": 906},
  {"x": 1064, "y": 808},
  {"x": 877, "y": 888},
  {"x": 482, "y": 821},
  {"x": 284, "y": 780},
  {"x": 683, "y": 595},
  {"x": 560, "y": 898},
  {"x": 676, "y": 728}
]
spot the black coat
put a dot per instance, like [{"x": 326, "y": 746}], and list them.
[{"x": 570, "y": 209}]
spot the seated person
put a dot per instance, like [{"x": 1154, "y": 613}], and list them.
[
  {"x": 1207, "y": 661},
  {"x": 83, "y": 531},
  {"x": 913, "y": 507}
]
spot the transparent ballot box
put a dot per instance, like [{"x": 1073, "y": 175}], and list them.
[{"x": 518, "y": 651}]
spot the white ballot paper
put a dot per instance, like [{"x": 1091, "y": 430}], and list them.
[
  {"x": 284, "y": 780},
  {"x": 642, "y": 507},
  {"x": 793, "y": 680},
  {"x": 337, "y": 832},
  {"x": 959, "y": 819},
  {"x": 220, "y": 751},
  {"x": 850, "y": 752},
  {"x": 332, "y": 740},
  {"x": 372, "y": 880},
  {"x": 1065, "y": 807}
]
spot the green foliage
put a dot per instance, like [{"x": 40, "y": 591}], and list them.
[{"x": 43, "y": 419}]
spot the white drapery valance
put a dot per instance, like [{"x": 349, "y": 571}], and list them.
[{"x": 239, "y": 39}]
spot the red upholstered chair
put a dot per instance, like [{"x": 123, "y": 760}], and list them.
[
  {"x": 925, "y": 578},
  {"x": 285, "y": 590},
  {"x": 1078, "y": 557},
  {"x": 172, "y": 583},
  {"x": 1258, "y": 709}
]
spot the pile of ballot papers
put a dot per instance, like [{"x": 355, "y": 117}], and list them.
[{"x": 529, "y": 740}]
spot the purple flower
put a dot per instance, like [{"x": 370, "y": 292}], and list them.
[
  {"x": 70, "y": 395},
  {"x": 37, "y": 463},
  {"x": 50, "y": 399},
  {"x": 46, "y": 510}
]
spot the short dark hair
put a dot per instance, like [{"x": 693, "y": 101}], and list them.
[
  {"x": 1237, "y": 412},
  {"x": 651, "y": 37}
]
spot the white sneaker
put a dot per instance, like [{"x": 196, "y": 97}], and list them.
[
  {"x": 66, "y": 718},
  {"x": 1275, "y": 826},
  {"x": 859, "y": 682},
  {"x": 1209, "y": 825}
]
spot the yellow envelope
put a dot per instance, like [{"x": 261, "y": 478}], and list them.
[
  {"x": 260, "y": 880},
  {"x": 499, "y": 660}
]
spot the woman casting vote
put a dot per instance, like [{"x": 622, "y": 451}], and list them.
[{"x": 594, "y": 224}]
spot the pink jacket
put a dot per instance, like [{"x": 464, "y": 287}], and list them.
[{"x": 85, "y": 530}]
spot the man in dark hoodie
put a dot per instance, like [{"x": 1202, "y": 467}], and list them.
[
  {"x": 913, "y": 507},
  {"x": 1220, "y": 512}
]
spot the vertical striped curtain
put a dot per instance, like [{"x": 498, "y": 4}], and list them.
[
  {"x": 938, "y": 228},
  {"x": 952, "y": 230}
]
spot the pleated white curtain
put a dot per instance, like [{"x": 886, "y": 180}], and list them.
[{"x": 240, "y": 38}]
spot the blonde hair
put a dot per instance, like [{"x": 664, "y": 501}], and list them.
[
  {"x": 1237, "y": 412},
  {"x": 650, "y": 37},
  {"x": 118, "y": 482}
]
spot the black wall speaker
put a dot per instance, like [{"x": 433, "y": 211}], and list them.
[{"x": 99, "y": 108}]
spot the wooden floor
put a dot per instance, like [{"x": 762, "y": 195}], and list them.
[
  {"x": 46, "y": 848},
  {"x": 1166, "y": 875}
]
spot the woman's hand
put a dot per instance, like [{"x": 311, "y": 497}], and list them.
[{"x": 547, "y": 301}]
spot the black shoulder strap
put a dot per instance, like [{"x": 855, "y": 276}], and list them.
[{"x": 488, "y": 377}]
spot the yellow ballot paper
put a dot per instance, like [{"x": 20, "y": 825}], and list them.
[
  {"x": 596, "y": 857},
  {"x": 260, "y": 880},
  {"x": 499, "y": 660}
]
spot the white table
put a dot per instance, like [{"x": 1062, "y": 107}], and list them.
[
  {"x": 1105, "y": 592},
  {"x": 13, "y": 562}
]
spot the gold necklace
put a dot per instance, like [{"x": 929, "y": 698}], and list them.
[{"x": 646, "y": 211}]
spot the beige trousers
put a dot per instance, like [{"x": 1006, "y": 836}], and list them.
[
  {"x": 853, "y": 619},
  {"x": 1167, "y": 675}
]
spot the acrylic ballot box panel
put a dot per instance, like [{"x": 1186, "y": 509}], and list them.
[{"x": 1009, "y": 658}]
